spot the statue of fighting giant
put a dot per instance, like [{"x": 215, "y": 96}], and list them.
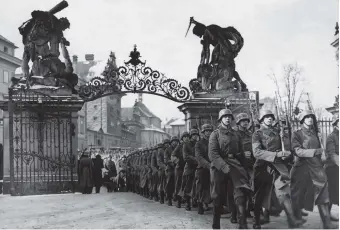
[
  {"x": 42, "y": 36},
  {"x": 217, "y": 73}
]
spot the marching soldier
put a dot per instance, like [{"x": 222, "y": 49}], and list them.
[
  {"x": 161, "y": 169},
  {"x": 309, "y": 180},
  {"x": 169, "y": 170},
  {"x": 189, "y": 168},
  {"x": 150, "y": 170},
  {"x": 242, "y": 121},
  {"x": 227, "y": 157},
  {"x": 144, "y": 174},
  {"x": 203, "y": 169},
  {"x": 155, "y": 178},
  {"x": 269, "y": 167},
  {"x": 332, "y": 168},
  {"x": 177, "y": 158}
]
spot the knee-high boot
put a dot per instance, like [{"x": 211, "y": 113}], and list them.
[
  {"x": 179, "y": 201},
  {"x": 241, "y": 210},
  {"x": 188, "y": 201},
  {"x": 293, "y": 222},
  {"x": 217, "y": 217},
  {"x": 161, "y": 200},
  {"x": 325, "y": 216}
]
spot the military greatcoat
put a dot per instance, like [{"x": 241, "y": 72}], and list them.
[
  {"x": 309, "y": 180},
  {"x": 269, "y": 171},
  {"x": 154, "y": 167},
  {"x": 226, "y": 149},
  {"x": 169, "y": 172},
  {"x": 189, "y": 168},
  {"x": 203, "y": 171},
  {"x": 161, "y": 169},
  {"x": 332, "y": 169},
  {"x": 177, "y": 158}
]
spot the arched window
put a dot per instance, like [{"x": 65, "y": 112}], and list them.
[{"x": 99, "y": 142}]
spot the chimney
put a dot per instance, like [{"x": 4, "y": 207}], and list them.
[
  {"x": 74, "y": 59},
  {"x": 89, "y": 57}
]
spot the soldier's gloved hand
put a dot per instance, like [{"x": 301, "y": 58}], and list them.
[
  {"x": 225, "y": 169},
  {"x": 247, "y": 154},
  {"x": 283, "y": 154},
  {"x": 318, "y": 152}
]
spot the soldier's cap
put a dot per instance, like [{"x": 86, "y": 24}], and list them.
[
  {"x": 160, "y": 145},
  {"x": 304, "y": 114},
  {"x": 335, "y": 119}
]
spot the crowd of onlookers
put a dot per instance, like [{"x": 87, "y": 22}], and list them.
[{"x": 97, "y": 168}]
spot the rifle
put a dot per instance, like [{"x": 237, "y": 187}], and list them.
[
  {"x": 316, "y": 128},
  {"x": 279, "y": 122}
]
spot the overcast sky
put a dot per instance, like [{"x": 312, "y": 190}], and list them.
[{"x": 275, "y": 32}]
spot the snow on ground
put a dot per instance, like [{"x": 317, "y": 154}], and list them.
[{"x": 111, "y": 210}]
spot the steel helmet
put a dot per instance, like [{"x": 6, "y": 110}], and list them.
[
  {"x": 242, "y": 116},
  {"x": 207, "y": 127},
  {"x": 225, "y": 112},
  {"x": 266, "y": 113},
  {"x": 335, "y": 119},
  {"x": 304, "y": 114},
  {"x": 174, "y": 138},
  {"x": 185, "y": 133},
  {"x": 166, "y": 141},
  {"x": 160, "y": 145},
  {"x": 194, "y": 132}
]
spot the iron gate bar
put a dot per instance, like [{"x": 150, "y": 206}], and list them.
[{"x": 41, "y": 157}]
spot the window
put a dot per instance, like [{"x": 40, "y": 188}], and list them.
[
  {"x": 95, "y": 106},
  {"x": 6, "y": 76},
  {"x": 5, "y": 49},
  {"x": 94, "y": 118},
  {"x": 81, "y": 125}
]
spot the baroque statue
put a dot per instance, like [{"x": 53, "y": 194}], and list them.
[
  {"x": 43, "y": 37},
  {"x": 216, "y": 71}
]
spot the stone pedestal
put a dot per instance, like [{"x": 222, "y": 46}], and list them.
[
  {"x": 40, "y": 141},
  {"x": 204, "y": 107}
]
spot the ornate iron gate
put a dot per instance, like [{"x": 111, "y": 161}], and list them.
[{"x": 40, "y": 136}]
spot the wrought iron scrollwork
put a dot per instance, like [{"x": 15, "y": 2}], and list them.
[{"x": 134, "y": 77}]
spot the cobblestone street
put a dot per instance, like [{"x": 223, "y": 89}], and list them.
[{"x": 111, "y": 210}]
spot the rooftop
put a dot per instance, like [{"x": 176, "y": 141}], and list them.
[{"x": 7, "y": 41}]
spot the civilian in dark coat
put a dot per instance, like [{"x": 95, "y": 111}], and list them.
[
  {"x": 332, "y": 167},
  {"x": 86, "y": 173},
  {"x": 98, "y": 165},
  {"x": 111, "y": 167}
]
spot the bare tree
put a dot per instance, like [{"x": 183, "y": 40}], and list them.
[
  {"x": 291, "y": 80},
  {"x": 318, "y": 113}
]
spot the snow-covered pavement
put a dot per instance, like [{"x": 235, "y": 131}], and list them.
[{"x": 111, "y": 210}]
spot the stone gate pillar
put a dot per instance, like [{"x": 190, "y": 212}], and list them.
[
  {"x": 40, "y": 138},
  {"x": 204, "y": 107}
]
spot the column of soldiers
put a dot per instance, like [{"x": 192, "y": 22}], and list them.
[{"x": 241, "y": 170}]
